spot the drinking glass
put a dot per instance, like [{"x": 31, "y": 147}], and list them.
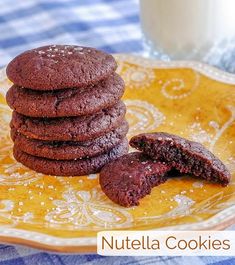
[{"x": 202, "y": 30}]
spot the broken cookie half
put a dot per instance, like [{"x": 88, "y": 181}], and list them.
[
  {"x": 184, "y": 155},
  {"x": 131, "y": 177}
]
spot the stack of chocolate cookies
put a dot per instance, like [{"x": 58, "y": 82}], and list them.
[{"x": 68, "y": 118}]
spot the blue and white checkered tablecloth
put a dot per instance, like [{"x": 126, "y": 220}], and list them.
[{"x": 111, "y": 25}]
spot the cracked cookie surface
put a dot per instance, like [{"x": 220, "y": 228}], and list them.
[
  {"x": 60, "y": 66},
  {"x": 77, "y": 167},
  {"x": 131, "y": 177},
  {"x": 79, "y": 128},
  {"x": 70, "y": 150},
  {"x": 67, "y": 102}
]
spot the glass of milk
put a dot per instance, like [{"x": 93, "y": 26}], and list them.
[{"x": 190, "y": 30}]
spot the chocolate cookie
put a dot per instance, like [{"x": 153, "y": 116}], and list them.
[
  {"x": 69, "y": 167},
  {"x": 70, "y": 150},
  {"x": 131, "y": 177},
  {"x": 67, "y": 102},
  {"x": 79, "y": 128},
  {"x": 60, "y": 66},
  {"x": 184, "y": 155}
]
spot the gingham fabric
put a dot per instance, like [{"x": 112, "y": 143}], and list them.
[
  {"x": 112, "y": 25},
  {"x": 10, "y": 255}
]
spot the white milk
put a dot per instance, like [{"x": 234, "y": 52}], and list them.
[{"x": 187, "y": 29}]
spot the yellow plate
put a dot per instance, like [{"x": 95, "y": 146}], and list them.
[{"x": 64, "y": 213}]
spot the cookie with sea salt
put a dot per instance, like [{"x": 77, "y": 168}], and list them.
[{"x": 60, "y": 66}]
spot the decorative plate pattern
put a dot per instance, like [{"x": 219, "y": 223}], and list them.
[{"x": 65, "y": 213}]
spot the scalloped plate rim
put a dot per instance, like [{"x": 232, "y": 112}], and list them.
[
  {"x": 203, "y": 68},
  {"x": 88, "y": 244}
]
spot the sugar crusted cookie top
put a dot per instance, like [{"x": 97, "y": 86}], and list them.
[{"x": 60, "y": 66}]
